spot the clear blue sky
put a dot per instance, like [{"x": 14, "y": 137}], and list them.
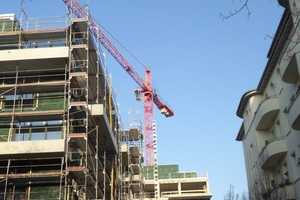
[{"x": 200, "y": 64}]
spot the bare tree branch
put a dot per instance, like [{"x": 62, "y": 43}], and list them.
[
  {"x": 231, "y": 14},
  {"x": 231, "y": 195}
]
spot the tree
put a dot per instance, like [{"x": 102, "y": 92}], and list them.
[
  {"x": 244, "y": 196},
  {"x": 266, "y": 188},
  {"x": 231, "y": 195}
]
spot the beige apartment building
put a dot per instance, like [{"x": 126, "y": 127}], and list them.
[{"x": 270, "y": 131}]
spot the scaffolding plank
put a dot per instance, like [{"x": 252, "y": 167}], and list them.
[
  {"x": 78, "y": 103},
  {"x": 33, "y": 115},
  {"x": 24, "y": 88}
]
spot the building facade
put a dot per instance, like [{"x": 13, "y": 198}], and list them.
[
  {"x": 59, "y": 124},
  {"x": 164, "y": 182},
  {"x": 270, "y": 131},
  {"x": 173, "y": 184}
]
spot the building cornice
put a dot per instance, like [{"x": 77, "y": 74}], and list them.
[
  {"x": 280, "y": 38},
  {"x": 241, "y": 133},
  {"x": 278, "y": 42},
  {"x": 244, "y": 99},
  {"x": 284, "y": 3}
]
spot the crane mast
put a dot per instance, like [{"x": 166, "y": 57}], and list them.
[
  {"x": 148, "y": 121},
  {"x": 150, "y": 97}
]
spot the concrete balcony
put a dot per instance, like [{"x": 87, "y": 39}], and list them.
[
  {"x": 179, "y": 189},
  {"x": 294, "y": 114},
  {"x": 20, "y": 149},
  {"x": 266, "y": 112},
  {"x": 291, "y": 72},
  {"x": 106, "y": 134},
  {"x": 273, "y": 151},
  {"x": 29, "y": 59}
]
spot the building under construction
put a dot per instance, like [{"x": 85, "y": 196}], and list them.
[{"x": 61, "y": 135}]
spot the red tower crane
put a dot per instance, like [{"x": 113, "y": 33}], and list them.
[{"x": 150, "y": 97}]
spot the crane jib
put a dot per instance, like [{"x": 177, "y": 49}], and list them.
[{"x": 80, "y": 12}]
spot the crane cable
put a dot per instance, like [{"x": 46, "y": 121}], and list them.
[{"x": 118, "y": 42}]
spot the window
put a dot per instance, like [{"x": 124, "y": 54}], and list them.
[
  {"x": 22, "y": 131},
  {"x": 38, "y": 130},
  {"x": 19, "y": 102}
]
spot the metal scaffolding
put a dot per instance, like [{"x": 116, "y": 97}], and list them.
[
  {"x": 131, "y": 157},
  {"x": 59, "y": 122}
]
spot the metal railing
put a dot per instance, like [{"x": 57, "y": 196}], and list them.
[
  {"x": 31, "y": 133},
  {"x": 43, "y": 23}
]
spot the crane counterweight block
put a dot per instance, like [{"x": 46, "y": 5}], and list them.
[{"x": 166, "y": 111}]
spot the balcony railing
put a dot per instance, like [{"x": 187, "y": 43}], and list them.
[
  {"x": 273, "y": 150},
  {"x": 266, "y": 112},
  {"x": 31, "y": 133}
]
